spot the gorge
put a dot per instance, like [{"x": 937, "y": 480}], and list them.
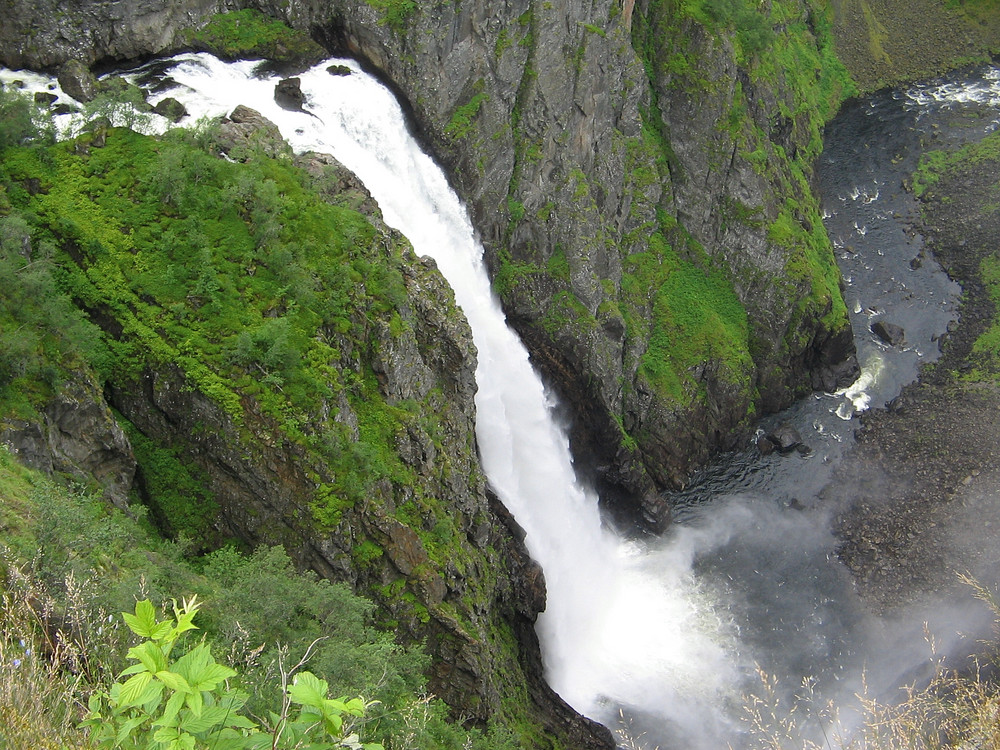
[{"x": 632, "y": 471}]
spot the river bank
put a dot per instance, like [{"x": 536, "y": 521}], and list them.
[{"x": 920, "y": 486}]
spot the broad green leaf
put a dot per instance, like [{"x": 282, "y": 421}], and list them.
[
  {"x": 173, "y": 681},
  {"x": 355, "y": 706},
  {"x": 211, "y": 716},
  {"x": 143, "y": 622},
  {"x": 134, "y": 669},
  {"x": 174, "y": 704},
  {"x": 149, "y": 655},
  {"x": 194, "y": 701},
  {"x": 133, "y": 689},
  {"x": 166, "y": 734},
  {"x": 308, "y": 690},
  {"x": 333, "y": 723},
  {"x": 211, "y": 675},
  {"x": 152, "y": 697},
  {"x": 127, "y": 728}
]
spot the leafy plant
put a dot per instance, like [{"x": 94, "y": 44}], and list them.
[{"x": 186, "y": 703}]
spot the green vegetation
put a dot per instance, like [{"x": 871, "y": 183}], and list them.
[
  {"x": 70, "y": 563},
  {"x": 462, "y": 121},
  {"x": 395, "y": 13},
  {"x": 249, "y": 33},
  {"x": 238, "y": 274},
  {"x": 696, "y": 318},
  {"x": 186, "y": 701}
]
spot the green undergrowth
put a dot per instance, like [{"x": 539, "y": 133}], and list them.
[
  {"x": 694, "y": 317},
  {"x": 249, "y": 33},
  {"x": 70, "y": 564},
  {"x": 237, "y": 274}
]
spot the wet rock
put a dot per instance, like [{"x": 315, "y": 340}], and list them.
[
  {"x": 288, "y": 94},
  {"x": 44, "y": 98},
  {"x": 77, "y": 81},
  {"x": 765, "y": 445},
  {"x": 890, "y": 333},
  {"x": 339, "y": 70},
  {"x": 170, "y": 108},
  {"x": 785, "y": 438}
]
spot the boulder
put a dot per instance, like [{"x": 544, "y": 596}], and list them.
[
  {"x": 339, "y": 70},
  {"x": 44, "y": 98},
  {"x": 77, "y": 81},
  {"x": 785, "y": 438},
  {"x": 890, "y": 333},
  {"x": 170, "y": 108},
  {"x": 247, "y": 128},
  {"x": 288, "y": 94}
]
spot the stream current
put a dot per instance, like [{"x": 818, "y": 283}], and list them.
[{"x": 748, "y": 577}]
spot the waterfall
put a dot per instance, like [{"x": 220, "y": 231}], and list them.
[{"x": 622, "y": 624}]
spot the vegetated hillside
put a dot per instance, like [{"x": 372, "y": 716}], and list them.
[
  {"x": 70, "y": 564},
  {"x": 282, "y": 370}
]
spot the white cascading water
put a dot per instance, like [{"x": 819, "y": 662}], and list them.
[{"x": 622, "y": 627}]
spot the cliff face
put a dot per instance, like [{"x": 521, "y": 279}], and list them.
[{"x": 640, "y": 178}]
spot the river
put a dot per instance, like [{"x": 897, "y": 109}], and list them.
[{"x": 748, "y": 578}]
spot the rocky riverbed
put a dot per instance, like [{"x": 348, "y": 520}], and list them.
[{"x": 921, "y": 488}]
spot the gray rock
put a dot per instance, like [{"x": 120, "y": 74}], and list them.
[
  {"x": 890, "y": 333},
  {"x": 785, "y": 438},
  {"x": 45, "y": 98},
  {"x": 77, "y": 81},
  {"x": 288, "y": 94},
  {"x": 170, "y": 108},
  {"x": 78, "y": 435},
  {"x": 247, "y": 129}
]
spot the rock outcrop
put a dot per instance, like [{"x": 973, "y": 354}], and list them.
[{"x": 77, "y": 435}]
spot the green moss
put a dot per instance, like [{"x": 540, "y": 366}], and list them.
[
  {"x": 696, "y": 318},
  {"x": 461, "y": 122},
  {"x": 395, "y": 13},
  {"x": 248, "y": 33},
  {"x": 175, "y": 489}
]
